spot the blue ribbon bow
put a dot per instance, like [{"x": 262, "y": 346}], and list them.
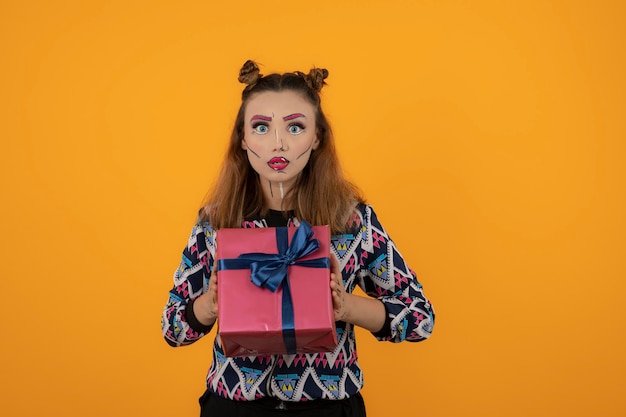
[{"x": 270, "y": 270}]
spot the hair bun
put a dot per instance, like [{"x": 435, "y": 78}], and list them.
[
  {"x": 249, "y": 73},
  {"x": 315, "y": 78}
]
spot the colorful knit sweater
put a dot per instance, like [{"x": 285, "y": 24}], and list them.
[{"x": 368, "y": 258}]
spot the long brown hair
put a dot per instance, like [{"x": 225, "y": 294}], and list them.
[{"x": 321, "y": 195}]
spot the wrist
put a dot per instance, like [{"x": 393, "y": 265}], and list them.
[
  {"x": 368, "y": 313},
  {"x": 203, "y": 311},
  {"x": 348, "y": 301}
]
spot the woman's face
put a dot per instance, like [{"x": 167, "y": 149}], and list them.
[{"x": 279, "y": 136}]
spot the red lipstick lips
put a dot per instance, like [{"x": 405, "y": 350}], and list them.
[{"x": 278, "y": 163}]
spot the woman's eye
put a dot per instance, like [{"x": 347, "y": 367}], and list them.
[
  {"x": 261, "y": 128},
  {"x": 295, "y": 129}
]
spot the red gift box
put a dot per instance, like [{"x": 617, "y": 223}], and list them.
[{"x": 255, "y": 320}]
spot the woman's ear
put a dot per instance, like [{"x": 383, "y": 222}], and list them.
[
  {"x": 316, "y": 143},
  {"x": 243, "y": 145}
]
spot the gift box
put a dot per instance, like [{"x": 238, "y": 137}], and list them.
[{"x": 273, "y": 290}]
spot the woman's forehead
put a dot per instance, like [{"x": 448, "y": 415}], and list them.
[{"x": 279, "y": 103}]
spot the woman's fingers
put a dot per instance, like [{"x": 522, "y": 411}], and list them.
[
  {"x": 334, "y": 265},
  {"x": 213, "y": 288},
  {"x": 338, "y": 292}
]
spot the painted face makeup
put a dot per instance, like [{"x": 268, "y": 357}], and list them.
[{"x": 279, "y": 136}]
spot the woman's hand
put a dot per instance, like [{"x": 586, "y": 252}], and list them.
[
  {"x": 205, "y": 306},
  {"x": 365, "y": 312},
  {"x": 338, "y": 291}
]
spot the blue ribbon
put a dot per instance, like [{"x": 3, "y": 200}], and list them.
[{"x": 270, "y": 270}]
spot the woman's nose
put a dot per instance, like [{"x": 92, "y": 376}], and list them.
[{"x": 280, "y": 144}]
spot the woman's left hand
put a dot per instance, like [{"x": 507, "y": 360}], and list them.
[
  {"x": 365, "y": 312},
  {"x": 338, "y": 291}
]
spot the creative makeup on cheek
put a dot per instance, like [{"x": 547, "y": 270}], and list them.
[
  {"x": 304, "y": 153},
  {"x": 253, "y": 153}
]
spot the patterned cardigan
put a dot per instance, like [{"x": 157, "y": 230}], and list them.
[{"x": 367, "y": 258}]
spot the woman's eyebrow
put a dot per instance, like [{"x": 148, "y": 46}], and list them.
[
  {"x": 261, "y": 117},
  {"x": 293, "y": 116}
]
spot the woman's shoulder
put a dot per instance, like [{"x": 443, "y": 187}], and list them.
[
  {"x": 202, "y": 227},
  {"x": 359, "y": 217},
  {"x": 363, "y": 207},
  {"x": 364, "y": 211},
  {"x": 365, "y": 218}
]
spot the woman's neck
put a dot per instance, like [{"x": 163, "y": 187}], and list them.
[{"x": 275, "y": 193}]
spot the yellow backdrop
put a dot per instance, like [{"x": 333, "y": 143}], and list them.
[{"x": 488, "y": 135}]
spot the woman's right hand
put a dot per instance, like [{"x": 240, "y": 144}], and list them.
[{"x": 205, "y": 306}]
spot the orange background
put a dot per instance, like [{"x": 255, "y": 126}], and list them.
[{"x": 488, "y": 135}]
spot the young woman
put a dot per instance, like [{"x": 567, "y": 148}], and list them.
[{"x": 281, "y": 167}]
